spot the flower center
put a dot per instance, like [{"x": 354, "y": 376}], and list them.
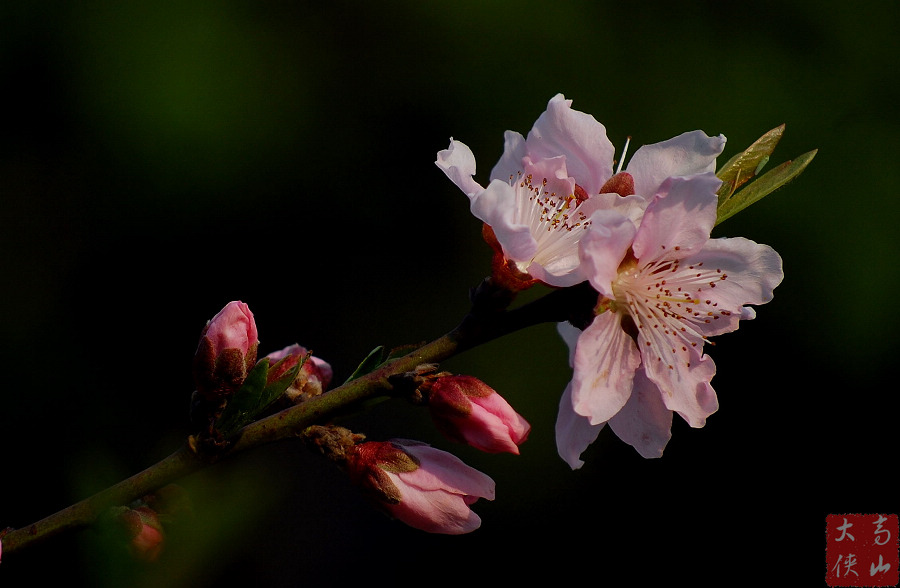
[
  {"x": 670, "y": 304},
  {"x": 554, "y": 220}
]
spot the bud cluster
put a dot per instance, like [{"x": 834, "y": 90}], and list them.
[{"x": 233, "y": 388}]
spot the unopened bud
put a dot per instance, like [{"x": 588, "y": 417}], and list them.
[
  {"x": 313, "y": 378},
  {"x": 424, "y": 487},
  {"x": 226, "y": 352},
  {"x": 143, "y": 531},
  {"x": 467, "y": 410}
]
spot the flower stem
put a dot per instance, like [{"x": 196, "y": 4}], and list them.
[
  {"x": 486, "y": 321},
  {"x": 86, "y": 512}
]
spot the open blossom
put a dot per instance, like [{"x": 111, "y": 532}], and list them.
[
  {"x": 424, "y": 487},
  {"x": 664, "y": 288},
  {"x": 467, "y": 410},
  {"x": 545, "y": 188}
]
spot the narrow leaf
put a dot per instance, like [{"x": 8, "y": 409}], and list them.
[
  {"x": 254, "y": 396},
  {"x": 244, "y": 400},
  {"x": 765, "y": 185},
  {"x": 372, "y": 361},
  {"x": 743, "y": 166}
]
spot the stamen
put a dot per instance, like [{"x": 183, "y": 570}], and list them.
[
  {"x": 666, "y": 301},
  {"x": 624, "y": 151},
  {"x": 553, "y": 218}
]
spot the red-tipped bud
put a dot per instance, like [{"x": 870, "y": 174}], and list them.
[
  {"x": 144, "y": 532},
  {"x": 424, "y": 487},
  {"x": 226, "y": 352},
  {"x": 467, "y": 410},
  {"x": 313, "y": 378}
]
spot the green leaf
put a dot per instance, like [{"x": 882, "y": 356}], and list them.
[
  {"x": 743, "y": 166},
  {"x": 254, "y": 396},
  {"x": 378, "y": 357},
  {"x": 764, "y": 186},
  {"x": 375, "y": 358}
]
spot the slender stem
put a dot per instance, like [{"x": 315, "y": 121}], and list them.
[
  {"x": 289, "y": 422},
  {"x": 84, "y": 513},
  {"x": 486, "y": 322}
]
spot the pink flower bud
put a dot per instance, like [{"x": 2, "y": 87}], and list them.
[
  {"x": 424, "y": 487},
  {"x": 226, "y": 352},
  {"x": 144, "y": 532},
  {"x": 467, "y": 410},
  {"x": 314, "y": 376}
]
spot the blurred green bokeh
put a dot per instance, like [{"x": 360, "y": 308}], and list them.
[{"x": 160, "y": 159}]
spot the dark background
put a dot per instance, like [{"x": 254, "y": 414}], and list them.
[{"x": 158, "y": 160}]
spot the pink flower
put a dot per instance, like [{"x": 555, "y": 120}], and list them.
[
  {"x": 664, "y": 288},
  {"x": 314, "y": 376},
  {"x": 545, "y": 188},
  {"x": 467, "y": 410},
  {"x": 424, "y": 487},
  {"x": 226, "y": 352}
]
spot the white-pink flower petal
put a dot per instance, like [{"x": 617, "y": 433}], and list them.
[
  {"x": 574, "y": 432},
  {"x": 678, "y": 220},
  {"x": 687, "y": 154},
  {"x": 569, "y": 334},
  {"x": 512, "y": 162},
  {"x": 560, "y": 130},
  {"x": 500, "y": 427},
  {"x": 645, "y": 422},
  {"x": 685, "y": 385},
  {"x": 458, "y": 162},
  {"x": 496, "y": 205},
  {"x": 739, "y": 272},
  {"x": 603, "y": 248},
  {"x": 433, "y": 512},
  {"x": 440, "y": 470},
  {"x": 605, "y": 361}
]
